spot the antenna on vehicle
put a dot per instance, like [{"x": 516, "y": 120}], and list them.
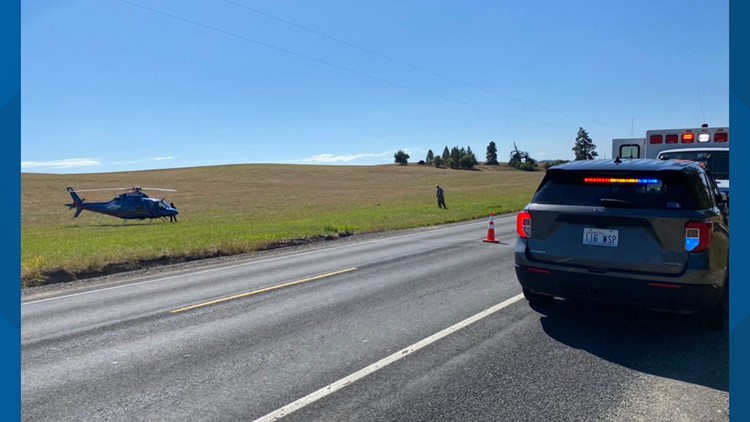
[{"x": 701, "y": 104}]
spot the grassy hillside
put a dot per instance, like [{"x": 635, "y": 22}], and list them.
[{"x": 242, "y": 208}]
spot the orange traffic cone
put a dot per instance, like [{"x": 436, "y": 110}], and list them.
[{"x": 491, "y": 231}]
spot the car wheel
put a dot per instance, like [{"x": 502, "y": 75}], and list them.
[{"x": 536, "y": 298}]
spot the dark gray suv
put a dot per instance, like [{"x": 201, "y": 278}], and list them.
[{"x": 648, "y": 233}]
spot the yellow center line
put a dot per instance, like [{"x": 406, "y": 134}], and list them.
[{"x": 259, "y": 291}]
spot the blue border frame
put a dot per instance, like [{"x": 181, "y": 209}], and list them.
[
  {"x": 739, "y": 117},
  {"x": 10, "y": 133},
  {"x": 10, "y": 171}
]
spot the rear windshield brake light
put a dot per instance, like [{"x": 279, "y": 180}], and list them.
[{"x": 621, "y": 181}]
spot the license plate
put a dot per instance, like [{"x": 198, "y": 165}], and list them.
[{"x": 600, "y": 237}]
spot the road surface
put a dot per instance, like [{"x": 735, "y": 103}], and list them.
[{"x": 423, "y": 325}]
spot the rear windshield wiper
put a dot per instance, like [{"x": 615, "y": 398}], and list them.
[{"x": 611, "y": 202}]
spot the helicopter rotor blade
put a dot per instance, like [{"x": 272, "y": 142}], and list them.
[
  {"x": 100, "y": 189},
  {"x": 130, "y": 188},
  {"x": 162, "y": 189}
]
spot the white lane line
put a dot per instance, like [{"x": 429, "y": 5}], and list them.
[
  {"x": 331, "y": 388},
  {"x": 252, "y": 262}
]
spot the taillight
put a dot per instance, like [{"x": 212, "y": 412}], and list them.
[
  {"x": 688, "y": 138},
  {"x": 654, "y": 139},
  {"x": 698, "y": 235},
  {"x": 523, "y": 225},
  {"x": 721, "y": 137}
]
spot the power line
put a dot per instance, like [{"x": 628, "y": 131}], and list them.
[
  {"x": 326, "y": 63},
  {"x": 403, "y": 63}
]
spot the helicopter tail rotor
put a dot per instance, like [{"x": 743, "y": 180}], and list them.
[
  {"x": 77, "y": 202},
  {"x": 76, "y": 199}
]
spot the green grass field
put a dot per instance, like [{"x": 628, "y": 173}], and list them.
[{"x": 242, "y": 208}]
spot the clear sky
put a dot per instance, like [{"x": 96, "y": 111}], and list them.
[{"x": 121, "y": 85}]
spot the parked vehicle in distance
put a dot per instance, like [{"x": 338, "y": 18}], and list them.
[
  {"x": 641, "y": 232},
  {"x": 714, "y": 160},
  {"x": 658, "y": 140},
  {"x": 708, "y": 145}
]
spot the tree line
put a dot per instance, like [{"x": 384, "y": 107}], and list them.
[
  {"x": 464, "y": 158},
  {"x": 455, "y": 158}
]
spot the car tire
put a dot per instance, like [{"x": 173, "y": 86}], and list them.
[{"x": 536, "y": 298}]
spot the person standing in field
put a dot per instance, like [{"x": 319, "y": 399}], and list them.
[
  {"x": 440, "y": 196},
  {"x": 172, "y": 218}
]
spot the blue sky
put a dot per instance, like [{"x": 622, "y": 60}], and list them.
[{"x": 121, "y": 85}]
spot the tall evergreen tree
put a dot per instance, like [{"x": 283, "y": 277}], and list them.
[
  {"x": 455, "y": 157},
  {"x": 446, "y": 154},
  {"x": 491, "y": 154},
  {"x": 584, "y": 148},
  {"x": 430, "y": 157}
]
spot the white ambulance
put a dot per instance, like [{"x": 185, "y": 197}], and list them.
[{"x": 707, "y": 145}]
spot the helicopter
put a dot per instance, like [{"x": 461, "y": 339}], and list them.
[{"x": 131, "y": 205}]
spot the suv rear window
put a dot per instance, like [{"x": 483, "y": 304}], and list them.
[{"x": 662, "y": 190}]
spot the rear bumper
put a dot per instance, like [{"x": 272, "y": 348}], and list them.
[{"x": 666, "y": 295}]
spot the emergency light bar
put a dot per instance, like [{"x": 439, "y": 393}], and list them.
[
  {"x": 621, "y": 181},
  {"x": 688, "y": 137}
]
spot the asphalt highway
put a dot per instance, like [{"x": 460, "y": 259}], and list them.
[{"x": 427, "y": 325}]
